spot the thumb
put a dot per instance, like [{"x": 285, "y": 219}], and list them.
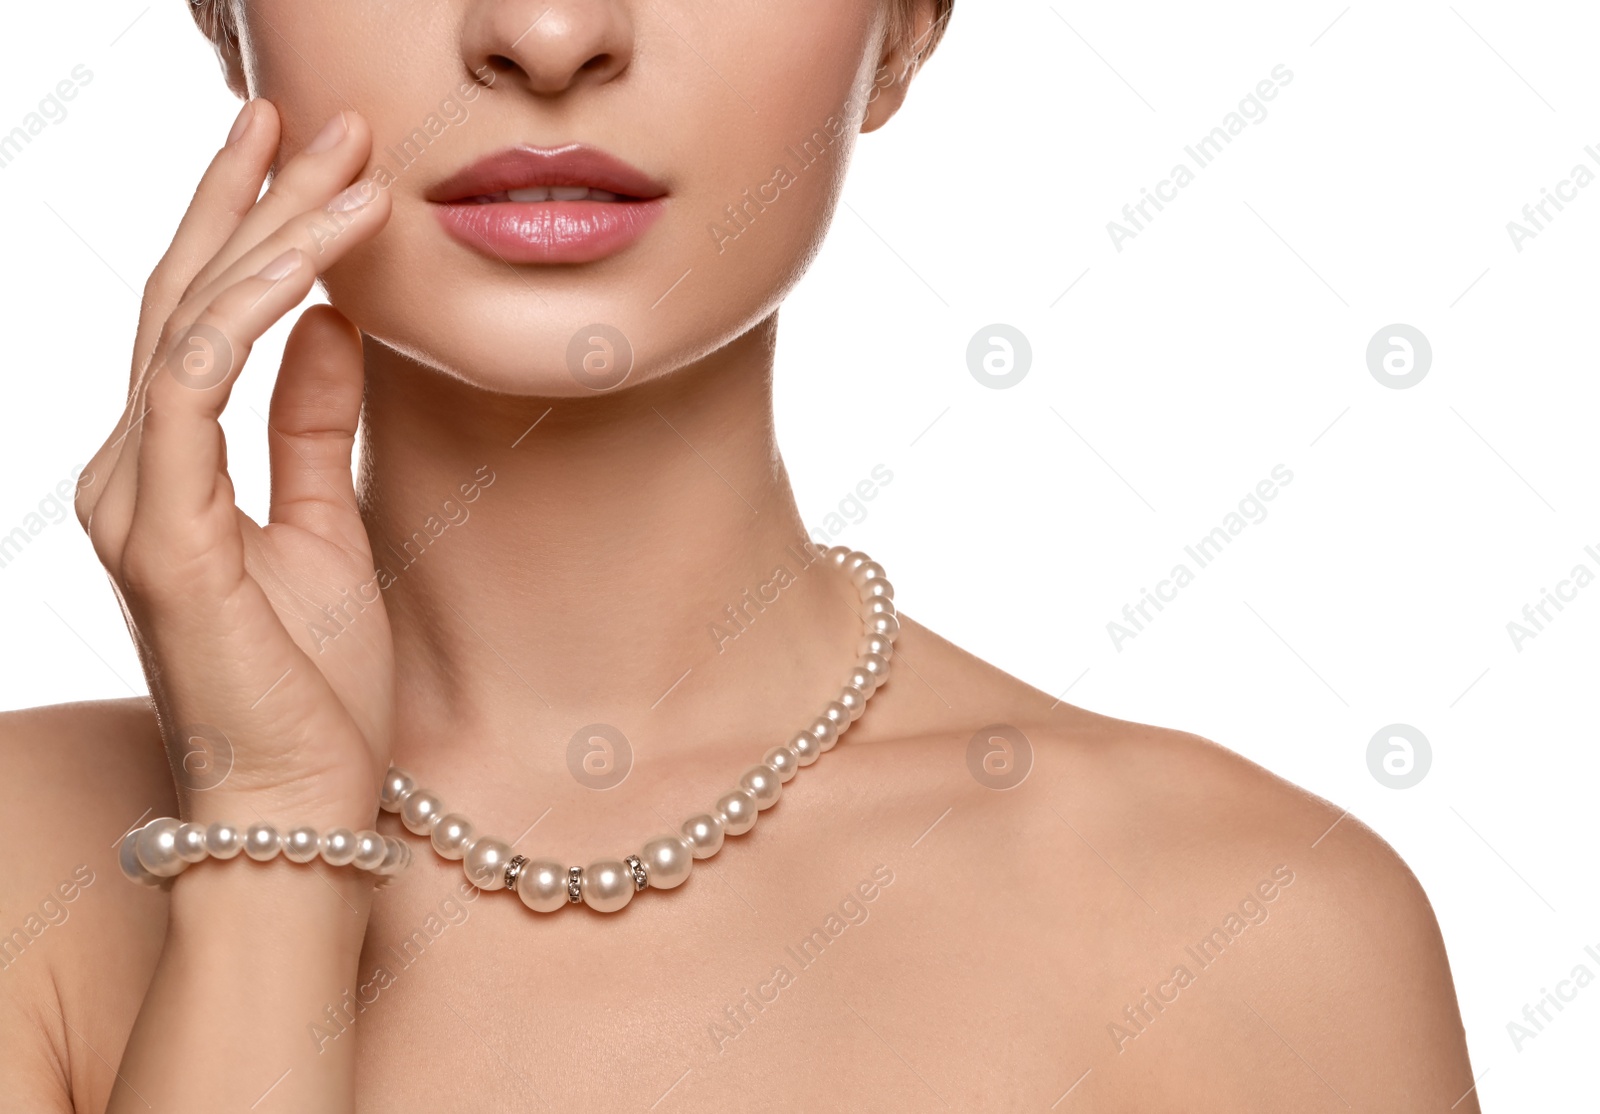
[{"x": 316, "y": 407}]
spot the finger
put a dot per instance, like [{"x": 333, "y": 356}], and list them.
[
  {"x": 325, "y": 234},
  {"x": 105, "y": 506},
  {"x": 227, "y": 189},
  {"x": 316, "y": 407},
  {"x": 180, "y": 454},
  {"x": 224, "y": 196},
  {"x": 308, "y": 181},
  {"x": 192, "y": 356}
]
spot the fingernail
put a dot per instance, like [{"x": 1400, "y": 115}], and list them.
[
  {"x": 281, "y": 267},
  {"x": 362, "y": 193},
  {"x": 330, "y": 135},
  {"x": 241, "y": 123}
]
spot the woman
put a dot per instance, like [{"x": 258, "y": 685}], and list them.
[{"x": 569, "y": 593}]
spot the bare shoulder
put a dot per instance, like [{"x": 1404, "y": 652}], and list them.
[
  {"x": 73, "y": 779},
  {"x": 1262, "y": 933},
  {"x": 83, "y": 764}
]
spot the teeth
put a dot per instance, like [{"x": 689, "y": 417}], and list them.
[{"x": 558, "y": 193}]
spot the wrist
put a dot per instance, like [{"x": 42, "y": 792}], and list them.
[
  {"x": 284, "y": 808},
  {"x": 253, "y": 908}
]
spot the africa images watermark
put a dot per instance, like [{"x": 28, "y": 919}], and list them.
[
  {"x": 51, "y": 110},
  {"x": 739, "y": 616},
  {"x": 386, "y": 572},
  {"x": 741, "y": 214},
  {"x": 52, "y": 912},
  {"x": 338, "y": 1017},
  {"x": 1203, "y": 152},
  {"x": 53, "y": 509},
  {"x": 1538, "y": 1015},
  {"x": 1251, "y": 509},
  {"x": 398, "y": 158},
  {"x": 851, "y": 911},
  {"x": 1535, "y": 616},
  {"x": 1537, "y": 213},
  {"x": 851, "y": 510},
  {"x": 1151, "y": 1004}
]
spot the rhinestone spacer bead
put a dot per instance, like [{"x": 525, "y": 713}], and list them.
[
  {"x": 514, "y": 868},
  {"x": 574, "y": 894},
  {"x": 640, "y": 878}
]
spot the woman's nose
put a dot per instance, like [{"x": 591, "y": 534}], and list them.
[{"x": 549, "y": 46}]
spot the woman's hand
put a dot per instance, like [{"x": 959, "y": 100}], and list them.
[{"x": 266, "y": 649}]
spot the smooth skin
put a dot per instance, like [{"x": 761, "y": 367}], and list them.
[{"x": 976, "y": 948}]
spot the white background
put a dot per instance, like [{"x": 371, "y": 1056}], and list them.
[{"x": 1228, "y": 337}]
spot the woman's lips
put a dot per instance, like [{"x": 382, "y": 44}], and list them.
[
  {"x": 571, "y": 204},
  {"x": 549, "y": 231}
]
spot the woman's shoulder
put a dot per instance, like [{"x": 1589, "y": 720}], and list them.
[
  {"x": 1185, "y": 849},
  {"x": 73, "y": 779},
  {"x": 1160, "y": 788},
  {"x": 84, "y": 762}
]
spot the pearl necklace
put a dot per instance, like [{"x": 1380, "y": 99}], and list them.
[{"x": 665, "y": 861}]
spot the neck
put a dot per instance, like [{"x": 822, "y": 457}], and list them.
[{"x": 634, "y": 559}]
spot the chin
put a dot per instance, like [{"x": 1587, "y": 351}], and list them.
[{"x": 576, "y": 331}]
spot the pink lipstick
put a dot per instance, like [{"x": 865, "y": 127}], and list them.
[{"x": 572, "y": 204}]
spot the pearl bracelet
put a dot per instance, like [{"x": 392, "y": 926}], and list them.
[{"x": 166, "y": 847}]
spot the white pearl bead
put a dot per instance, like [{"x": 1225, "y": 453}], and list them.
[
  {"x": 854, "y": 700},
  {"x": 419, "y": 812},
  {"x": 867, "y": 570},
  {"x": 784, "y": 760},
  {"x": 838, "y": 715},
  {"x": 886, "y": 625},
  {"x": 396, "y": 785},
  {"x": 859, "y": 678},
  {"x": 191, "y": 843},
  {"x": 878, "y": 667},
  {"x": 825, "y": 732},
  {"x": 875, "y": 644},
  {"x": 878, "y": 606},
  {"x": 262, "y": 841},
  {"x": 606, "y": 886},
  {"x": 853, "y": 562},
  {"x": 704, "y": 833},
  {"x": 838, "y": 554},
  {"x": 763, "y": 784},
  {"x": 542, "y": 886},
  {"x": 451, "y": 834},
  {"x": 807, "y": 747},
  {"x": 738, "y": 811},
  {"x": 485, "y": 863},
  {"x": 301, "y": 845},
  {"x": 128, "y": 860},
  {"x": 223, "y": 841},
  {"x": 370, "y": 850},
  {"x": 667, "y": 861},
  {"x": 877, "y": 589},
  {"x": 394, "y": 856},
  {"x": 339, "y": 847},
  {"x": 157, "y": 847}
]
